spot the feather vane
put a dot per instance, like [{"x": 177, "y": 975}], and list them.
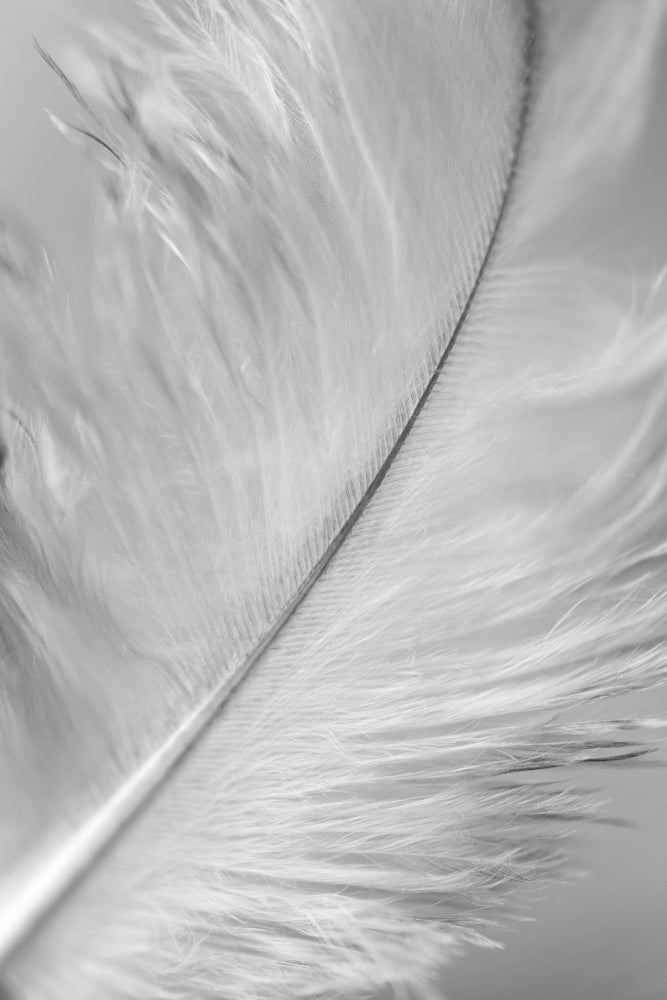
[{"x": 262, "y": 521}]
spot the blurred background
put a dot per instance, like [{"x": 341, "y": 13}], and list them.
[{"x": 604, "y": 937}]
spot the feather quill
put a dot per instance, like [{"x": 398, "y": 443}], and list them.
[{"x": 328, "y": 505}]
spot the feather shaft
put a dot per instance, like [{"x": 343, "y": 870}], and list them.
[{"x": 52, "y": 881}]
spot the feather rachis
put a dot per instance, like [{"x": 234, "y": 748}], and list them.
[{"x": 115, "y": 477}]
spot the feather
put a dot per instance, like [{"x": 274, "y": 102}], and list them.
[{"x": 330, "y": 503}]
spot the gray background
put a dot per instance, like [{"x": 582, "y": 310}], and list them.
[{"x": 606, "y": 936}]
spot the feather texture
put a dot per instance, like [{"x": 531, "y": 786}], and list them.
[{"x": 337, "y": 495}]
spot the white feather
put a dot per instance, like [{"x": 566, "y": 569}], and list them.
[{"x": 292, "y": 233}]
